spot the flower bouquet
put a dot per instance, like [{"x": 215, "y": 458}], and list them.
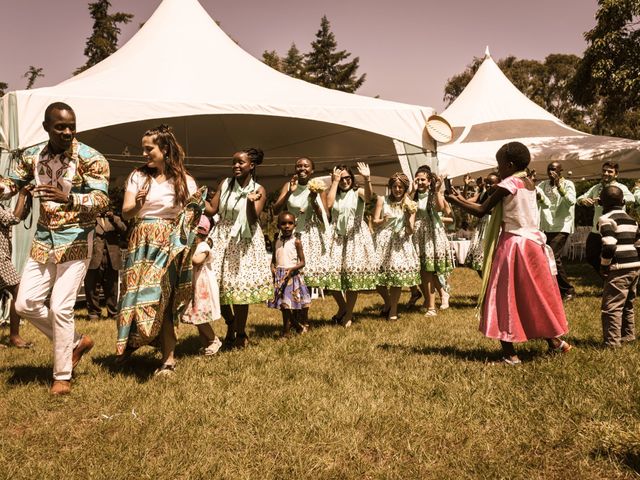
[{"x": 316, "y": 185}]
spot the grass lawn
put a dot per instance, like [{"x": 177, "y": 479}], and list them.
[{"x": 417, "y": 398}]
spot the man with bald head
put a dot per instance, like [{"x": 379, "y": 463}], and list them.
[{"x": 557, "y": 204}]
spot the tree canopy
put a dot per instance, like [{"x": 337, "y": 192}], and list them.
[
  {"x": 32, "y": 75},
  {"x": 3, "y": 88},
  {"x": 104, "y": 38},
  {"x": 323, "y": 65}
]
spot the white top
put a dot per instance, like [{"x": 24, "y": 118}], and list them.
[
  {"x": 520, "y": 210},
  {"x": 160, "y": 198},
  {"x": 286, "y": 253},
  {"x": 203, "y": 247}
]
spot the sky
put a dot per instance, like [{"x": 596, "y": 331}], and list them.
[{"x": 407, "y": 48}]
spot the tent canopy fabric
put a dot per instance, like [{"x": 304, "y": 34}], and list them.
[
  {"x": 491, "y": 111},
  {"x": 181, "y": 68}
]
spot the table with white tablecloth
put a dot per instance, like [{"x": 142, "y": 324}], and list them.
[{"x": 461, "y": 249}]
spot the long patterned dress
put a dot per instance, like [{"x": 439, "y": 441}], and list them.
[
  {"x": 430, "y": 239},
  {"x": 157, "y": 274},
  {"x": 399, "y": 263},
  {"x": 240, "y": 257},
  {"x": 352, "y": 254},
  {"x": 314, "y": 235}
]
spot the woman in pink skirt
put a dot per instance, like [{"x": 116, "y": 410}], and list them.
[{"x": 519, "y": 299}]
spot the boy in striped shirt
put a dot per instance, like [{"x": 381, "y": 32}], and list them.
[{"x": 620, "y": 266}]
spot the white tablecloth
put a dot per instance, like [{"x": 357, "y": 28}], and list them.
[{"x": 461, "y": 248}]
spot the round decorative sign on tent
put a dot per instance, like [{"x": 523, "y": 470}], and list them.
[{"x": 439, "y": 129}]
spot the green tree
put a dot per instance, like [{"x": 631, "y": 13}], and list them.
[
  {"x": 32, "y": 75},
  {"x": 271, "y": 58},
  {"x": 293, "y": 64},
  {"x": 104, "y": 39},
  {"x": 609, "y": 71},
  {"x": 607, "y": 79},
  {"x": 3, "y": 88},
  {"x": 327, "y": 66}
]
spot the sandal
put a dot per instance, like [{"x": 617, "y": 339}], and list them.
[
  {"x": 212, "y": 348},
  {"x": 432, "y": 312},
  {"x": 166, "y": 370},
  {"x": 508, "y": 361},
  {"x": 337, "y": 319},
  {"x": 564, "y": 347},
  {"x": 125, "y": 358},
  {"x": 414, "y": 299}
]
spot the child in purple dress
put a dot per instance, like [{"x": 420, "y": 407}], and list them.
[{"x": 290, "y": 292}]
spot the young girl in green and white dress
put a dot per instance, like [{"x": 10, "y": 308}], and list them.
[
  {"x": 303, "y": 197},
  {"x": 430, "y": 239},
  {"x": 352, "y": 252},
  {"x": 241, "y": 263},
  {"x": 399, "y": 266}
]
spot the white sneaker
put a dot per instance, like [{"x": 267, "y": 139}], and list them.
[{"x": 212, "y": 348}]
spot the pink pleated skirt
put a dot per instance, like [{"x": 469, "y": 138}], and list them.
[{"x": 522, "y": 301}]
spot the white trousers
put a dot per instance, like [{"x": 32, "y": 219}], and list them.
[{"x": 57, "y": 322}]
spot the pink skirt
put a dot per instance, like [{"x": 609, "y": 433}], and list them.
[{"x": 522, "y": 301}]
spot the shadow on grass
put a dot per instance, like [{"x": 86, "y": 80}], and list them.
[
  {"x": 471, "y": 355},
  {"x": 22, "y": 374},
  {"x": 625, "y": 455},
  {"x": 139, "y": 366}
]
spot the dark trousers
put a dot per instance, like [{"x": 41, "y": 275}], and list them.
[
  {"x": 557, "y": 241},
  {"x": 593, "y": 249},
  {"x": 108, "y": 278}
]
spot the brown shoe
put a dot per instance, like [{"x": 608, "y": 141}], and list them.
[
  {"x": 60, "y": 387},
  {"x": 84, "y": 345}
]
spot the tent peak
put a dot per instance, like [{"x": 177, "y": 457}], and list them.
[{"x": 487, "y": 53}]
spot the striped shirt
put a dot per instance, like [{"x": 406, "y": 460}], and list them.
[{"x": 620, "y": 240}]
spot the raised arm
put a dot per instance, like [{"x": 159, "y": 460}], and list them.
[
  {"x": 255, "y": 204},
  {"x": 286, "y": 190},
  {"x": 479, "y": 210},
  {"x": 363, "y": 169},
  {"x": 333, "y": 189},
  {"x": 94, "y": 197}
]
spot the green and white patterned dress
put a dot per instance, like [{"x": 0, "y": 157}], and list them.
[
  {"x": 352, "y": 254},
  {"x": 430, "y": 239},
  {"x": 314, "y": 235},
  {"x": 240, "y": 260},
  {"x": 399, "y": 263}
]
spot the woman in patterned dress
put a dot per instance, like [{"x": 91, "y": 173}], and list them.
[
  {"x": 241, "y": 261},
  {"x": 9, "y": 278},
  {"x": 312, "y": 223},
  {"x": 399, "y": 263},
  {"x": 166, "y": 205},
  {"x": 430, "y": 239},
  {"x": 352, "y": 254}
]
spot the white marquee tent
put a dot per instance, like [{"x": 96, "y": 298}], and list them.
[
  {"x": 180, "y": 68},
  {"x": 492, "y": 111}
]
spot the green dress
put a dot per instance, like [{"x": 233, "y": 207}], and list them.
[
  {"x": 352, "y": 254},
  {"x": 241, "y": 262},
  {"x": 313, "y": 235},
  {"x": 399, "y": 263}
]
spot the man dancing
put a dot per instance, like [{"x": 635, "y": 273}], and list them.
[{"x": 71, "y": 182}]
